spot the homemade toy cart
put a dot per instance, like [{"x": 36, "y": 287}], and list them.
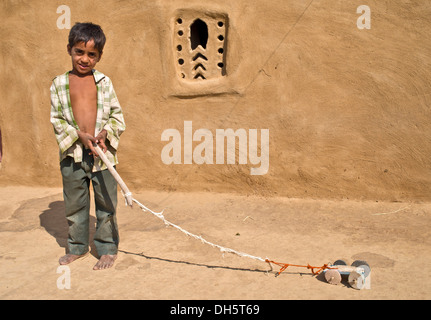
[{"x": 357, "y": 274}]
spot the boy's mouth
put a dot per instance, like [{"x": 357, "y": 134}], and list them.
[{"x": 83, "y": 66}]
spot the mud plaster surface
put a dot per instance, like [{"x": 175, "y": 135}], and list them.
[
  {"x": 348, "y": 110},
  {"x": 156, "y": 262}
]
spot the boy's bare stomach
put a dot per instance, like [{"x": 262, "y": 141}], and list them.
[{"x": 85, "y": 113}]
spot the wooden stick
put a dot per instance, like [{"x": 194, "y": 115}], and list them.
[{"x": 126, "y": 192}]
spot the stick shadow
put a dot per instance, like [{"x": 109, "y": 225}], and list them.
[
  {"x": 267, "y": 272},
  {"x": 192, "y": 263}
]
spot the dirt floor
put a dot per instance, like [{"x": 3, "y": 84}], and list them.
[{"x": 159, "y": 262}]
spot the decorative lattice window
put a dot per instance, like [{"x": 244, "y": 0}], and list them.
[{"x": 199, "y": 42}]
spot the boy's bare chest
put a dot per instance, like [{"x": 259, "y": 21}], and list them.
[
  {"x": 83, "y": 98},
  {"x": 83, "y": 91}
]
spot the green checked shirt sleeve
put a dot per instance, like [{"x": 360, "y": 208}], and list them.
[
  {"x": 65, "y": 128},
  {"x": 112, "y": 116},
  {"x": 109, "y": 117}
]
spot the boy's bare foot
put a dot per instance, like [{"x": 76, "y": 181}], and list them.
[
  {"x": 106, "y": 261},
  {"x": 68, "y": 258}
]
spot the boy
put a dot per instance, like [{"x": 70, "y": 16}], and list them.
[{"x": 85, "y": 111}]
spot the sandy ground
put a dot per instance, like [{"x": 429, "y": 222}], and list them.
[{"x": 158, "y": 262}]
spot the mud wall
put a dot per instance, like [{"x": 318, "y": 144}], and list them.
[{"x": 346, "y": 109}]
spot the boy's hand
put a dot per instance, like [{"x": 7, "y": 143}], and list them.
[
  {"x": 87, "y": 140},
  {"x": 100, "y": 140}
]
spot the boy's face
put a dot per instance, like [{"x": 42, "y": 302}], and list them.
[{"x": 84, "y": 57}]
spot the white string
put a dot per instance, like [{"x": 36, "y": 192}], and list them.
[
  {"x": 170, "y": 224},
  {"x": 128, "y": 196}
]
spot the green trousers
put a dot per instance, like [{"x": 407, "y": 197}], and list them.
[{"x": 76, "y": 194}]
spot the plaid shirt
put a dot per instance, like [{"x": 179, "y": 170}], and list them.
[{"x": 109, "y": 117}]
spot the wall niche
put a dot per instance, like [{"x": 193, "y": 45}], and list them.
[{"x": 199, "y": 44}]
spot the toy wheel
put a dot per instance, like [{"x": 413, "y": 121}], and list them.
[
  {"x": 356, "y": 280},
  {"x": 358, "y": 263},
  {"x": 332, "y": 276},
  {"x": 364, "y": 264},
  {"x": 340, "y": 263}
]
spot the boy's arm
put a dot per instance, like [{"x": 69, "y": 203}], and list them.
[
  {"x": 65, "y": 133},
  {"x": 115, "y": 125}
]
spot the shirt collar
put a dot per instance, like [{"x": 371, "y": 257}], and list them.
[{"x": 97, "y": 76}]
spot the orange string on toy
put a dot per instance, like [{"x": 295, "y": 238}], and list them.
[{"x": 285, "y": 265}]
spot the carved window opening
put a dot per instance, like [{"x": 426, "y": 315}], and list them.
[
  {"x": 198, "y": 34},
  {"x": 199, "y": 43}
]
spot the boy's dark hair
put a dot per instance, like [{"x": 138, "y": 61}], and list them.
[{"x": 86, "y": 31}]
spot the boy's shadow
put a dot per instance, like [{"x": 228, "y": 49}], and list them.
[{"x": 55, "y": 223}]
